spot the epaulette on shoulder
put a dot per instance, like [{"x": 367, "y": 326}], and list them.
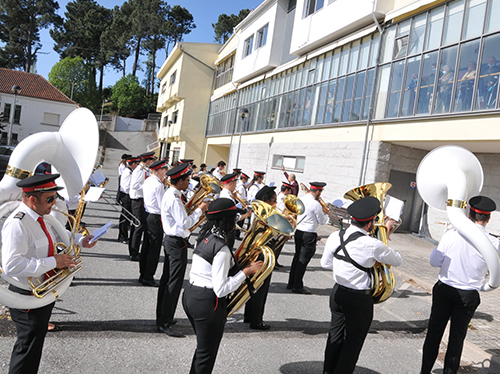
[{"x": 20, "y": 215}]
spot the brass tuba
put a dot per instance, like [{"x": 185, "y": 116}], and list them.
[
  {"x": 268, "y": 223},
  {"x": 72, "y": 152},
  {"x": 293, "y": 207},
  {"x": 383, "y": 282},
  {"x": 208, "y": 188},
  {"x": 447, "y": 178}
]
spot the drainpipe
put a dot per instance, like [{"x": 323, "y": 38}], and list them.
[
  {"x": 236, "y": 100},
  {"x": 372, "y": 100}
]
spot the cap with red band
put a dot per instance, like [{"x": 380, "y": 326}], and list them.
[
  {"x": 158, "y": 165},
  {"x": 482, "y": 205},
  {"x": 221, "y": 208},
  {"x": 317, "y": 185},
  {"x": 179, "y": 171},
  {"x": 243, "y": 175},
  {"x": 228, "y": 178},
  {"x": 365, "y": 209},
  {"x": 133, "y": 159},
  {"x": 287, "y": 185},
  {"x": 40, "y": 183},
  {"x": 259, "y": 173},
  {"x": 147, "y": 156}
]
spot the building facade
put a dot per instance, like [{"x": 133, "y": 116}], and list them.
[
  {"x": 38, "y": 106},
  {"x": 353, "y": 98},
  {"x": 186, "y": 81}
]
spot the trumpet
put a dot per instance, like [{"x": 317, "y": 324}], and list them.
[
  {"x": 237, "y": 196},
  {"x": 209, "y": 187}
]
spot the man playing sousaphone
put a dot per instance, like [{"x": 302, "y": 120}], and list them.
[
  {"x": 351, "y": 254},
  {"x": 28, "y": 251}
]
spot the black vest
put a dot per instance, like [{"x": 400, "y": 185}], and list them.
[{"x": 209, "y": 247}]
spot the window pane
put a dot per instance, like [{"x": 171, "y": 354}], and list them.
[
  {"x": 453, "y": 22},
  {"x": 368, "y": 93},
  {"x": 466, "y": 76},
  {"x": 322, "y": 103},
  {"x": 364, "y": 53},
  {"x": 388, "y": 45},
  {"x": 335, "y": 63},
  {"x": 326, "y": 69},
  {"x": 286, "y": 106},
  {"x": 446, "y": 79},
  {"x": 312, "y": 72},
  {"x": 358, "y": 96},
  {"x": 344, "y": 60},
  {"x": 411, "y": 83},
  {"x": 319, "y": 4},
  {"x": 492, "y": 23},
  {"x": 319, "y": 68},
  {"x": 301, "y": 162},
  {"x": 427, "y": 81},
  {"x": 488, "y": 80},
  {"x": 383, "y": 85},
  {"x": 353, "y": 62},
  {"x": 330, "y": 102},
  {"x": 474, "y": 18},
  {"x": 338, "y": 100},
  {"x": 374, "y": 50},
  {"x": 308, "y": 109},
  {"x": 348, "y": 98},
  {"x": 417, "y": 34},
  {"x": 435, "y": 28},
  {"x": 300, "y": 107},
  {"x": 395, "y": 90}
]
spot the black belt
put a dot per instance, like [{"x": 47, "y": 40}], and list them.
[
  {"x": 175, "y": 237},
  {"x": 139, "y": 198},
  {"x": 361, "y": 292},
  {"x": 155, "y": 214}
]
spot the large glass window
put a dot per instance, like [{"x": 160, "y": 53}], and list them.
[
  {"x": 453, "y": 26},
  {"x": 427, "y": 83},
  {"x": 338, "y": 100},
  {"x": 261, "y": 37},
  {"x": 467, "y": 73},
  {"x": 323, "y": 94},
  {"x": 247, "y": 46},
  {"x": 410, "y": 86},
  {"x": 395, "y": 90},
  {"x": 446, "y": 78},
  {"x": 474, "y": 18},
  {"x": 435, "y": 29},
  {"x": 489, "y": 72},
  {"x": 358, "y": 97},
  {"x": 418, "y": 34},
  {"x": 330, "y": 101},
  {"x": 348, "y": 98},
  {"x": 368, "y": 93}
]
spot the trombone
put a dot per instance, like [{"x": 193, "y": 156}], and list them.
[
  {"x": 128, "y": 216},
  {"x": 336, "y": 215}
]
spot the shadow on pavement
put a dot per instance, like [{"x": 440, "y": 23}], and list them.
[{"x": 310, "y": 367}]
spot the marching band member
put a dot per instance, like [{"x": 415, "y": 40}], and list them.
[
  {"x": 306, "y": 237},
  {"x": 137, "y": 196},
  {"x": 241, "y": 187},
  {"x": 455, "y": 296},
  {"x": 124, "y": 223},
  {"x": 153, "y": 189},
  {"x": 255, "y": 185},
  {"x": 121, "y": 167},
  {"x": 286, "y": 189},
  {"x": 204, "y": 298},
  {"x": 219, "y": 170},
  {"x": 176, "y": 224},
  {"x": 351, "y": 254},
  {"x": 254, "y": 308},
  {"x": 28, "y": 251},
  {"x": 228, "y": 188}
]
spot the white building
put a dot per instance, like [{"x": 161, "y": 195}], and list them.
[
  {"x": 352, "y": 92},
  {"x": 39, "y": 106}
]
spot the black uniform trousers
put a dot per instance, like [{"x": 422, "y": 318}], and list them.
[
  {"x": 352, "y": 314},
  {"x": 134, "y": 245},
  {"x": 207, "y": 315},
  {"x": 254, "y": 308},
  {"x": 150, "y": 255},
  {"x": 459, "y": 305},
  {"x": 174, "y": 268},
  {"x": 31, "y": 328},
  {"x": 124, "y": 224},
  {"x": 305, "y": 248}
]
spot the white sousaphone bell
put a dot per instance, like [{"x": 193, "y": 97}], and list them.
[
  {"x": 72, "y": 153},
  {"x": 447, "y": 178}
]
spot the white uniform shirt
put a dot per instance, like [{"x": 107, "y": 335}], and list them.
[
  {"x": 365, "y": 250},
  {"x": 174, "y": 218},
  {"x": 121, "y": 168},
  {"x": 280, "y": 201},
  {"x": 313, "y": 215},
  {"x": 462, "y": 265},
  {"x": 138, "y": 178},
  {"x": 153, "y": 193},
  {"x": 253, "y": 189},
  {"x": 217, "y": 174},
  {"x": 215, "y": 276},
  {"x": 226, "y": 194},
  {"x": 241, "y": 189},
  {"x": 125, "y": 180},
  {"x": 25, "y": 247}
]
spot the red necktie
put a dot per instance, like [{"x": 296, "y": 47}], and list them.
[{"x": 51, "y": 243}]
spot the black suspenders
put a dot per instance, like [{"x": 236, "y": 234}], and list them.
[{"x": 346, "y": 257}]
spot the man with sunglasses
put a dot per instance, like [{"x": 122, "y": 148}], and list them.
[{"x": 28, "y": 239}]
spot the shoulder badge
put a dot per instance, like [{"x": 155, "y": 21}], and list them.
[{"x": 20, "y": 215}]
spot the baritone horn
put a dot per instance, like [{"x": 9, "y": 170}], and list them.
[
  {"x": 383, "y": 281},
  {"x": 268, "y": 223}
]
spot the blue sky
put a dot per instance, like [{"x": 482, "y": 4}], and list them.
[{"x": 205, "y": 12}]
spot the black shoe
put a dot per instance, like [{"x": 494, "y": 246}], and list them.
[
  {"x": 170, "y": 331},
  {"x": 149, "y": 282},
  {"x": 289, "y": 287},
  {"x": 125, "y": 241},
  {"x": 134, "y": 258},
  {"x": 246, "y": 320},
  {"x": 260, "y": 326},
  {"x": 302, "y": 291},
  {"x": 174, "y": 321}
]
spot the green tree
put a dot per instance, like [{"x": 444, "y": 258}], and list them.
[
  {"x": 179, "y": 23},
  {"x": 80, "y": 34},
  {"x": 129, "y": 97},
  {"x": 225, "y": 25},
  {"x": 20, "y": 25},
  {"x": 74, "y": 78}
]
